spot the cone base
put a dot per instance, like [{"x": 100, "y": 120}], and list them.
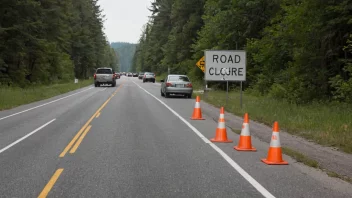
[
  {"x": 221, "y": 141},
  {"x": 274, "y": 163},
  {"x": 197, "y": 118},
  {"x": 244, "y": 149}
]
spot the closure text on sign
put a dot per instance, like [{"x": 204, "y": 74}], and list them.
[{"x": 225, "y": 65}]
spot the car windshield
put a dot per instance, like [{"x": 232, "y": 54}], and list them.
[
  {"x": 178, "y": 78},
  {"x": 104, "y": 71},
  {"x": 149, "y": 73}
]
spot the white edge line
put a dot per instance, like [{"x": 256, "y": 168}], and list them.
[
  {"x": 26, "y": 136},
  {"x": 244, "y": 174},
  {"x": 44, "y": 104}
]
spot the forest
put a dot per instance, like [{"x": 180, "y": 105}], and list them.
[
  {"x": 44, "y": 42},
  {"x": 297, "y": 50},
  {"x": 125, "y": 52}
]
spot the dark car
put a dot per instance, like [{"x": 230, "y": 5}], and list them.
[
  {"x": 140, "y": 76},
  {"x": 117, "y": 75},
  {"x": 135, "y": 74},
  {"x": 149, "y": 77}
]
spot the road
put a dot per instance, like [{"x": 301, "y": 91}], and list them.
[{"x": 128, "y": 141}]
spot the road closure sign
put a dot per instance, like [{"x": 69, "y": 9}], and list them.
[{"x": 222, "y": 65}]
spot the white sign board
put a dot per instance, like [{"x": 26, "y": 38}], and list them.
[
  {"x": 76, "y": 80},
  {"x": 221, "y": 65}
]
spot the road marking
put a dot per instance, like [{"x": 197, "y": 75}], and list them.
[
  {"x": 74, "y": 148},
  {"x": 82, "y": 129},
  {"x": 26, "y": 136},
  {"x": 97, "y": 116},
  {"x": 51, "y": 183},
  {"x": 237, "y": 167},
  {"x": 44, "y": 104},
  {"x": 63, "y": 153}
]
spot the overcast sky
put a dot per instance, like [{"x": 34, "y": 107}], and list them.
[{"x": 124, "y": 19}]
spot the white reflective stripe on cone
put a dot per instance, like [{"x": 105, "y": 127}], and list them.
[
  {"x": 222, "y": 115},
  {"x": 221, "y": 125},
  {"x": 275, "y": 140},
  {"x": 197, "y": 105},
  {"x": 245, "y": 130}
]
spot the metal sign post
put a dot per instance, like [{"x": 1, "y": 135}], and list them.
[
  {"x": 223, "y": 71},
  {"x": 227, "y": 92},
  {"x": 241, "y": 86},
  {"x": 241, "y": 96}
]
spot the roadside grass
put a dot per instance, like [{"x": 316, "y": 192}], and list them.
[
  {"x": 11, "y": 97},
  {"x": 325, "y": 124},
  {"x": 299, "y": 157},
  {"x": 237, "y": 131},
  {"x": 333, "y": 174},
  {"x": 160, "y": 77},
  {"x": 197, "y": 85}
]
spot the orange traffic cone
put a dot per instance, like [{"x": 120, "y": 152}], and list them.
[
  {"x": 220, "y": 134},
  {"x": 245, "y": 142},
  {"x": 197, "y": 112},
  {"x": 275, "y": 153}
]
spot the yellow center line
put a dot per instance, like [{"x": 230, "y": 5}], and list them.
[
  {"x": 97, "y": 116},
  {"x": 74, "y": 148},
  {"x": 51, "y": 183},
  {"x": 86, "y": 124}
]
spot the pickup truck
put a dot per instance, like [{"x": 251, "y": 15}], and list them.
[{"x": 104, "y": 76}]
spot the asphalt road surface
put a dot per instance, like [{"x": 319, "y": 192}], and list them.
[{"x": 128, "y": 141}]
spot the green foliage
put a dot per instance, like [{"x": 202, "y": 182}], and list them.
[
  {"x": 46, "y": 41},
  {"x": 125, "y": 51},
  {"x": 300, "y": 50},
  {"x": 342, "y": 86},
  {"x": 297, "y": 50},
  {"x": 14, "y": 96}
]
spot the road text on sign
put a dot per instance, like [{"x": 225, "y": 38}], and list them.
[
  {"x": 201, "y": 64},
  {"x": 225, "y": 65}
]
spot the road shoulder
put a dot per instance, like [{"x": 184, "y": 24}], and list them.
[
  {"x": 328, "y": 158},
  {"x": 311, "y": 182}
]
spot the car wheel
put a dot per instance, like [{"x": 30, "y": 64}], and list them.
[
  {"x": 98, "y": 84},
  {"x": 161, "y": 93},
  {"x": 153, "y": 81},
  {"x": 114, "y": 85},
  {"x": 189, "y": 95},
  {"x": 167, "y": 95},
  {"x": 143, "y": 81}
]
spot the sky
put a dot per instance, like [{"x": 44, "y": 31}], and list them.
[{"x": 124, "y": 19}]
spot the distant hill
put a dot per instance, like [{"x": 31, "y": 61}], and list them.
[
  {"x": 119, "y": 44},
  {"x": 125, "y": 53}
]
